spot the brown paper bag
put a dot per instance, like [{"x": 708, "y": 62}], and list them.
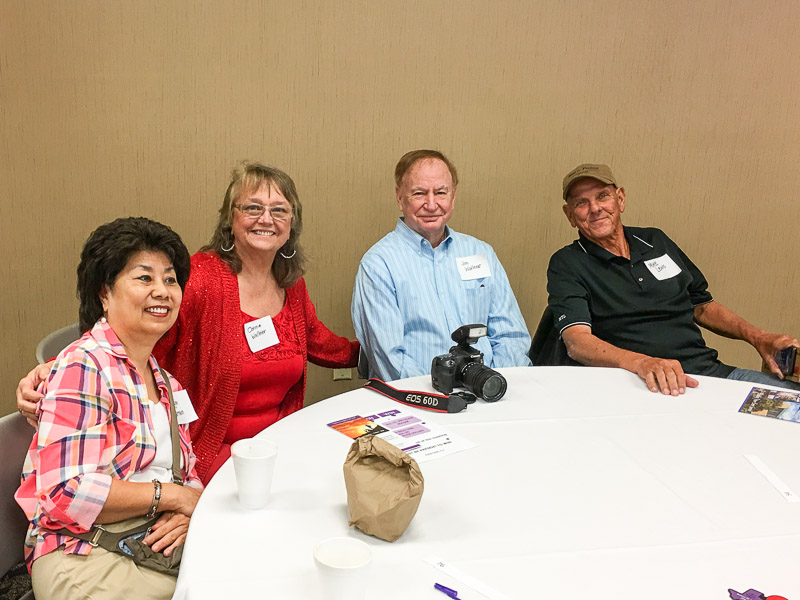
[{"x": 384, "y": 487}]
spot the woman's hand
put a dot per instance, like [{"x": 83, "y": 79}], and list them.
[
  {"x": 27, "y": 396},
  {"x": 128, "y": 499},
  {"x": 168, "y": 533},
  {"x": 180, "y": 498}
]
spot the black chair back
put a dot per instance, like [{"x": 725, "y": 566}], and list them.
[{"x": 547, "y": 348}]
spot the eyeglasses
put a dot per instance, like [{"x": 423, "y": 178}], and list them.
[{"x": 255, "y": 210}]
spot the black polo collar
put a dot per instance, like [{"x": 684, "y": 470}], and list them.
[{"x": 637, "y": 246}]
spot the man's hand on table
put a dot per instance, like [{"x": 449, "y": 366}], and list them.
[
  {"x": 660, "y": 374},
  {"x": 663, "y": 374}
]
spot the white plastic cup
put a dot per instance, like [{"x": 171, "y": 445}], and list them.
[
  {"x": 254, "y": 463},
  {"x": 343, "y": 566}
]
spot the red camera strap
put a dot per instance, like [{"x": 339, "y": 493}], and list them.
[{"x": 435, "y": 402}]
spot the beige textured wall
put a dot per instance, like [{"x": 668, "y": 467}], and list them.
[{"x": 110, "y": 109}]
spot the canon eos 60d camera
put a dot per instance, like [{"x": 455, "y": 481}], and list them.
[{"x": 463, "y": 367}]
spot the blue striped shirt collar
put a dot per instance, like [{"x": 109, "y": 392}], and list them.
[{"x": 415, "y": 240}]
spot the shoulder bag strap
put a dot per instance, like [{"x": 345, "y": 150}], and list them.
[
  {"x": 109, "y": 540},
  {"x": 176, "y": 442}
]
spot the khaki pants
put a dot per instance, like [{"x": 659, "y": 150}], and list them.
[{"x": 102, "y": 575}]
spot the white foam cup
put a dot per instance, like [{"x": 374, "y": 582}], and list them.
[
  {"x": 254, "y": 463},
  {"x": 343, "y": 566}
]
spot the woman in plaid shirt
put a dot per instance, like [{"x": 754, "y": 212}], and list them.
[{"x": 102, "y": 453}]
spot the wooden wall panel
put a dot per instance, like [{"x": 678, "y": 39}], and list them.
[{"x": 111, "y": 109}]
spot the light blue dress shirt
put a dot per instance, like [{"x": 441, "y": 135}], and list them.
[{"x": 409, "y": 297}]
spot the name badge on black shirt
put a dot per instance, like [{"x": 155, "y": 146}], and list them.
[{"x": 662, "y": 267}]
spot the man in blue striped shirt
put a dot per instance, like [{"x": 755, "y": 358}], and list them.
[{"x": 423, "y": 280}]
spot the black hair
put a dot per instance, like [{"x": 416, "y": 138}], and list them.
[{"x": 107, "y": 251}]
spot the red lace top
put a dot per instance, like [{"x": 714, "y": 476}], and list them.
[{"x": 267, "y": 377}]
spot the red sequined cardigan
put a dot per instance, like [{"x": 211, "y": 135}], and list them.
[{"x": 203, "y": 350}]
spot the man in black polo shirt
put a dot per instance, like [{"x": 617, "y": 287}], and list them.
[{"x": 629, "y": 297}]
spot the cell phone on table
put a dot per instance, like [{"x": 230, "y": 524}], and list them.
[{"x": 786, "y": 359}]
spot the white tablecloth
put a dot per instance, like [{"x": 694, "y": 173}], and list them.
[{"x": 583, "y": 485}]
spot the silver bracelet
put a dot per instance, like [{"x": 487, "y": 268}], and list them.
[{"x": 156, "y": 499}]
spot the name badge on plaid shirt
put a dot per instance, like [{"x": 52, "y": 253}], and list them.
[{"x": 183, "y": 407}]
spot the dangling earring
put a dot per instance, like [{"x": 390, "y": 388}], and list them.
[
  {"x": 228, "y": 249},
  {"x": 290, "y": 256}
]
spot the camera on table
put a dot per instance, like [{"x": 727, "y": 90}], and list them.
[{"x": 463, "y": 367}]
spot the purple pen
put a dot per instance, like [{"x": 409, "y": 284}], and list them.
[{"x": 446, "y": 590}]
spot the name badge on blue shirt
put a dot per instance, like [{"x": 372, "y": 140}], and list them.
[{"x": 473, "y": 267}]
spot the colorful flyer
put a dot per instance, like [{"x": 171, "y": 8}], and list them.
[
  {"x": 355, "y": 427},
  {"x": 411, "y": 433},
  {"x": 776, "y": 404}
]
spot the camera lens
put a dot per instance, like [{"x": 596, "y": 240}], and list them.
[
  {"x": 483, "y": 381},
  {"x": 494, "y": 388}
]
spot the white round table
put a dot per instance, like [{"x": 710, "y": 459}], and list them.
[{"x": 583, "y": 484}]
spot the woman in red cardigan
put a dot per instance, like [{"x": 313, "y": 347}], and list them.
[{"x": 246, "y": 327}]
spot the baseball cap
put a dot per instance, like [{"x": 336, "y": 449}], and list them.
[{"x": 600, "y": 172}]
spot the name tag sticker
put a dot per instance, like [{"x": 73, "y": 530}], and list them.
[
  {"x": 183, "y": 407},
  {"x": 663, "y": 267},
  {"x": 473, "y": 267},
  {"x": 260, "y": 334}
]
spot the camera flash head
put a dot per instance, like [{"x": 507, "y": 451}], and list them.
[{"x": 469, "y": 334}]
